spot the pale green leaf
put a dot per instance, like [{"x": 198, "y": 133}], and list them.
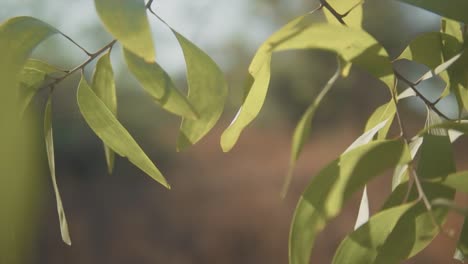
[
  {"x": 303, "y": 128},
  {"x": 363, "y": 245},
  {"x": 333, "y": 186},
  {"x": 49, "y": 143},
  {"x": 400, "y": 174},
  {"x": 106, "y": 126},
  {"x": 127, "y": 21},
  {"x": 104, "y": 86},
  {"x": 453, "y": 28},
  {"x": 454, "y": 9},
  {"x": 353, "y": 45},
  {"x": 457, "y": 181},
  {"x": 159, "y": 85},
  {"x": 352, "y": 19},
  {"x": 384, "y": 112},
  {"x": 207, "y": 93},
  {"x": 461, "y": 127}
]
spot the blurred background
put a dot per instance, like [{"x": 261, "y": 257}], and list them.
[{"x": 224, "y": 207}]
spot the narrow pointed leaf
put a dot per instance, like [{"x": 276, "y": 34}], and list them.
[
  {"x": 127, "y": 21},
  {"x": 207, "y": 93},
  {"x": 453, "y": 28},
  {"x": 362, "y": 245},
  {"x": 457, "y": 181},
  {"x": 106, "y": 126},
  {"x": 159, "y": 85},
  {"x": 384, "y": 112},
  {"x": 364, "y": 210},
  {"x": 453, "y": 9},
  {"x": 104, "y": 87},
  {"x": 353, "y": 45},
  {"x": 400, "y": 175},
  {"x": 332, "y": 187},
  {"x": 49, "y": 143},
  {"x": 303, "y": 128}
]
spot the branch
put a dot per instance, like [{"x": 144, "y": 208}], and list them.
[
  {"x": 337, "y": 15},
  {"x": 429, "y": 104}
]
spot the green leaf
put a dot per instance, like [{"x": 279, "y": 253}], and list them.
[
  {"x": 461, "y": 127},
  {"x": 126, "y": 20},
  {"x": 436, "y": 158},
  {"x": 353, "y": 45},
  {"x": 400, "y": 174},
  {"x": 207, "y": 93},
  {"x": 18, "y": 37},
  {"x": 363, "y": 245},
  {"x": 384, "y": 112},
  {"x": 303, "y": 128},
  {"x": 106, "y": 126},
  {"x": 334, "y": 185},
  {"x": 49, "y": 142},
  {"x": 33, "y": 77},
  {"x": 159, "y": 85},
  {"x": 461, "y": 253},
  {"x": 454, "y": 9},
  {"x": 453, "y": 28},
  {"x": 104, "y": 86},
  {"x": 457, "y": 181}
]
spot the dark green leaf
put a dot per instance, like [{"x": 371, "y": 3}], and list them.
[
  {"x": 326, "y": 194},
  {"x": 106, "y": 126},
  {"x": 363, "y": 245},
  {"x": 207, "y": 93},
  {"x": 126, "y": 20},
  {"x": 159, "y": 85},
  {"x": 49, "y": 142},
  {"x": 104, "y": 87},
  {"x": 454, "y": 9}
]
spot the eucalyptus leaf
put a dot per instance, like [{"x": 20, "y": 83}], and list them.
[
  {"x": 106, "y": 126},
  {"x": 103, "y": 86},
  {"x": 127, "y": 21},
  {"x": 453, "y": 9},
  {"x": 332, "y": 187},
  {"x": 384, "y": 112},
  {"x": 461, "y": 253},
  {"x": 49, "y": 143},
  {"x": 157, "y": 83}
]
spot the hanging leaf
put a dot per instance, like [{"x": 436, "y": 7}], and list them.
[
  {"x": 452, "y": 28},
  {"x": 454, "y": 9},
  {"x": 159, "y": 85},
  {"x": 353, "y": 45},
  {"x": 104, "y": 87},
  {"x": 112, "y": 133},
  {"x": 457, "y": 181},
  {"x": 363, "y": 245},
  {"x": 326, "y": 194},
  {"x": 400, "y": 174},
  {"x": 49, "y": 142},
  {"x": 126, "y": 20},
  {"x": 384, "y": 112},
  {"x": 303, "y": 128},
  {"x": 32, "y": 77},
  {"x": 207, "y": 93}
]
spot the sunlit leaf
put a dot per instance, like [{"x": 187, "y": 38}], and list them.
[
  {"x": 353, "y": 45},
  {"x": 363, "y": 245},
  {"x": 159, "y": 85},
  {"x": 106, "y": 126},
  {"x": 461, "y": 127},
  {"x": 457, "y": 181},
  {"x": 382, "y": 113},
  {"x": 49, "y": 143},
  {"x": 303, "y": 128},
  {"x": 103, "y": 86},
  {"x": 354, "y": 7},
  {"x": 452, "y": 28},
  {"x": 32, "y": 77},
  {"x": 401, "y": 172},
  {"x": 126, "y": 20},
  {"x": 454, "y": 9},
  {"x": 333, "y": 186},
  {"x": 207, "y": 93}
]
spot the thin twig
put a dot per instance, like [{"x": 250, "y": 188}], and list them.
[
  {"x": 332, "y": 10},
  {"x": 92, "y": 56},
  {"x": 76, "y": 44},
  {"x": 422, "y": 97}
]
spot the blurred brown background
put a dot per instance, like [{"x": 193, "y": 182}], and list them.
[{"x": 224, "y": 207}]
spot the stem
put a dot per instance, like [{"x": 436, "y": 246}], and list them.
[
  {"x": 422, "y": 97},
  {"x": 76, "y": 44},
  {"x": 337, "y": 15}
]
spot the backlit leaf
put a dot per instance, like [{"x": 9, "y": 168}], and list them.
[
  {"x": 49, "y": 143},
  {"x": 207, "y": 93},
  {"x": 106, "y": 126},
  {"x": 126, "y": 20},
  {"x": 303, "y": 128},
  {"x": 159, "y": 85},
  {"x": 382, "y": 113},
  {"x": 333, "y": 186},
  {"x": 353, "y": 45},
  {"x": 103, "y": 86}
]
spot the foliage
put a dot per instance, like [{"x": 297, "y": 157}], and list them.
[{"x": 425, "y": 180}]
